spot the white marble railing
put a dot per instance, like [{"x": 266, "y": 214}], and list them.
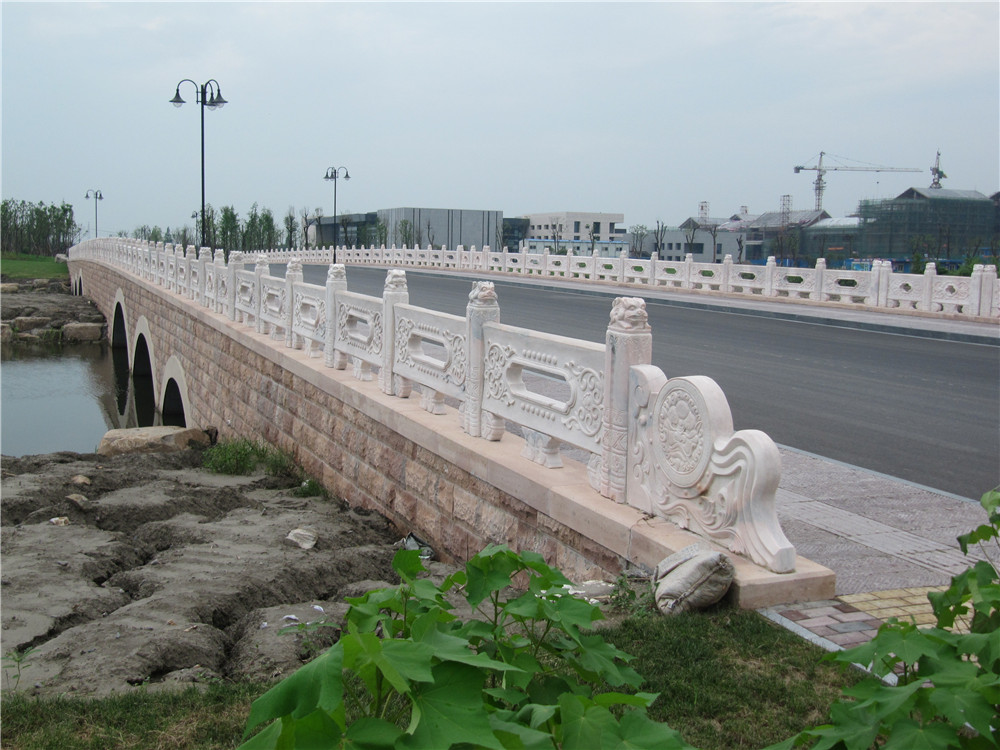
[
  {"x": 975, "y": 296},
  {"x": 664, "y": 446}
]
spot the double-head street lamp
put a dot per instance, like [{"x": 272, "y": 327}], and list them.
[
  {"x": 209, "y": 94},
  {"x": 97, "y": 197},
  {"x": 332, "y": 174}
]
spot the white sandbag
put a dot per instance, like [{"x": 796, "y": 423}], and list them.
[{"x": 692, "y": 578}]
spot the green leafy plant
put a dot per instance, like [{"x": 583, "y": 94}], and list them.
[
  {"x": 238, "y": 457},
  {"x": 938, "y": 687},
  {"x": 625, "y": 599},
  {"x": 524, "y": 671},
  {"x": 16, "y": 661},
  {"x": 310, "y": 488}
]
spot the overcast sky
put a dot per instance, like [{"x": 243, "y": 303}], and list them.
[{"x": 640, "y": 108}]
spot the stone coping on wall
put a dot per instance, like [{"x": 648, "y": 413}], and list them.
[{"x": 562, "y": 494}]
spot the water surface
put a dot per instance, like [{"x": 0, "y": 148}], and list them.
[{"x": 57, "y": 399}]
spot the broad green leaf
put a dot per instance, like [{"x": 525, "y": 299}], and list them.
[
  {"x": 571, "y": 612},
  {"x": 451, "y": 710},
  {"x": 910, "y": 644},
  {"x": 884, "y": 702},
  {"x": 511, "y": 696},
  {"x": 536, "y": 714},
  {"x": 603, "y": 660},
  {"x": 267, "y": 739},
  {"x": 407, "y": 563},
  {"x": 447, "y": 647},
  {"x": 637, "y": 731},
  {"x": 849, "y": 726},
  {"x": 981, "y": 534},
  {"x": 586, "y": 727},
  {"x": 317, "y": 731},
  {"x": 491, "y": 570},
  {"x": 318, "y": 684},
  {"x": 516, "y": 736},
  {"x": 909, "y": 735},
  {"x": 370, "y": 734},
  {"x": 965, "y": 705},
  {"x": 639, "y": 700},
  {"x": 402, "y": 662}
]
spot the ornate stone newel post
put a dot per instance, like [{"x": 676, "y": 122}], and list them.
[
  {"x": 336, "y": 282},
  {"x": 483, "y": 308},
  {"x": 394, "y": 293},
  {"x": 629, "y": 342}
]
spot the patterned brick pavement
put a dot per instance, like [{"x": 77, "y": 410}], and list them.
[{"x": 888, "y": 541}]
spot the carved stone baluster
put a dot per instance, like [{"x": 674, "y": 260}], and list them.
[
  {"x": 336, "y": 282},
  {"x": 629, "y": 342},
  {"x": 483, "y": 308},
  {"x": 394, "y": 293}
]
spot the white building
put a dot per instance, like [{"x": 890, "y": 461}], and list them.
[{"x": 559, "y": 229}]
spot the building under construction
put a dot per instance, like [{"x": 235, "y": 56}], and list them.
[{"x": 935, "y": 222}]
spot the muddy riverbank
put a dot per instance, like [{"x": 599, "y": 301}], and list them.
[{"x": 146, "y": 570}]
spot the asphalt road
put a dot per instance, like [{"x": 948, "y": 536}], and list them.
[{"x": 923, "y": 410}]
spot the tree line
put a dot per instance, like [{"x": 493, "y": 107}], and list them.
[
  {"x": 37, "y": 228},
  {"x": 225, "y": 229}
]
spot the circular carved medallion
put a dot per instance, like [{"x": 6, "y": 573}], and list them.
[{"x": 683, "y": 440}]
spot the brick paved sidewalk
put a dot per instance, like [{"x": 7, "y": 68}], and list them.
[{"x": 889, "y": 542}]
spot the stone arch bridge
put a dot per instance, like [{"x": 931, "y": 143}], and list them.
[{"x": 403, "y": 410}]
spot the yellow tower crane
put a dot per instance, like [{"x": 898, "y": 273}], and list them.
[{"x": 820, "y": 170}]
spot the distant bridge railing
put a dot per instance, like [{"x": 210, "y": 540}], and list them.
[
  {"x": 975, "y": 296},
  {"x": 664, "y": 446}
]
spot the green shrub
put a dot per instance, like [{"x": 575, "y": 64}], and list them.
[
  {"x": 524, "y": 672},
  {"x": 934, "y": 688},
  {"x": 237, "y": 457}
]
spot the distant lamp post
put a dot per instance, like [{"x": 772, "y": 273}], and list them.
[
  {"x": 209, "y": 94},
  {"x": 332, "y": 174},
  {"x": 97, "y": 197}
]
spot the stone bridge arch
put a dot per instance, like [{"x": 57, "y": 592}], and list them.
[{"x": 173, "y": 401}]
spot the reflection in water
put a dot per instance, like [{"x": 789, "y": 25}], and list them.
[
  {"x": 119, "y": 359},
  {"x": 65, "y": 399}
]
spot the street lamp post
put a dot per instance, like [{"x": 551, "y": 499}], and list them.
[
  {"x": 97, "y": 197},
  {"x": 209, "y": 94},
  {"x": 332, "y": 174}
]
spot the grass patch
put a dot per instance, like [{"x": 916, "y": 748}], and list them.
[
  {"x": 242, "y": 457},
  {"x": 181, "y": 720},
  {"x": 729, "y": 678},
  {"x": 19, "y": 266},
  {"x": 234, "y": 457}
]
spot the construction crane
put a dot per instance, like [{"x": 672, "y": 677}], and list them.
[{"x": 820, "y": 170}]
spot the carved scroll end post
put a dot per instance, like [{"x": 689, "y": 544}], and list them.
[
  {"x": 336, "y": 282},
  {"x": 483, "y": 308},
  {"x": 745, "y": 470},
  {"x": 629, "y": 342}
]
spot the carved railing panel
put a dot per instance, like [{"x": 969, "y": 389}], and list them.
[
  {"x": 431, "y": 350},
  {"x": 550, "y": 385},
  {"x": 309, "y": 318},
  {"x": 359, "y": 331}
]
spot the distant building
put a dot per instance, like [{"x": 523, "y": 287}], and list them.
[
  {"x": 449, "y": 227},
  {"x": 937, "y": 223},
  {"x": 779, "y": 233},
  {"x": 575, "y": 226},
  {"x": 836, "y": 240}
]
